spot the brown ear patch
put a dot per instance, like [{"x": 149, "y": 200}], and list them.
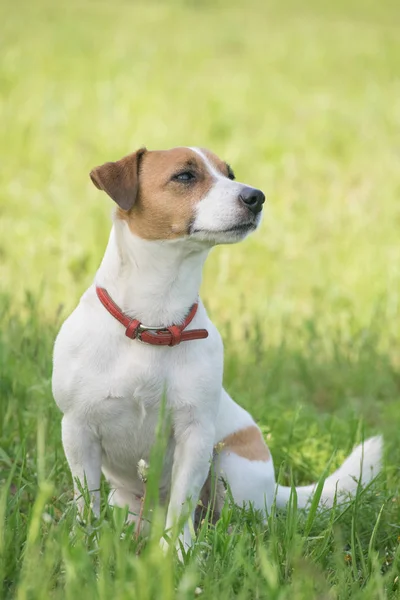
[
  {"x": 248, "y": 443},
  {"x": 120, "y": 179}
]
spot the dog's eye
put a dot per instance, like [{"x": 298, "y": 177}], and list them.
[{"x": 184, "y": 177}]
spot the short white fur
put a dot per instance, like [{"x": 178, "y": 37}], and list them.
[
  {"x": 219, "y": 210},
  {"x": 110, "y": 388}
]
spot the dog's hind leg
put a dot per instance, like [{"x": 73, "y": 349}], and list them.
[
  {"x": 212, "y": 498},
  {"x": 245, "y": 464}
]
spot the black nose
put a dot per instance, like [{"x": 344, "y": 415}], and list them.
[{"x": 253, "y": 199}]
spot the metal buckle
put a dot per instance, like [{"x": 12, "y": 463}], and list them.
[{"x": 142, "y": 328}]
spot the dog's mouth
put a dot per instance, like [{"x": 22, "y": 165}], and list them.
[{"x": 239, "y": 228}]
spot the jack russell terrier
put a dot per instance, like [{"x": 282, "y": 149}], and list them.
[{"x": 141, "y": 334}]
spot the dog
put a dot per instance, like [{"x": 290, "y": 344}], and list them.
[{"x": 140, "y": 335}]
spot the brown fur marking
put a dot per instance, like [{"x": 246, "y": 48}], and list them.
[
  {"x": 248, "y": 443},
  {"x": 120, "y": 179},
  {"x": 154, "y": 206},
  {"x": 164, "y": 209}
]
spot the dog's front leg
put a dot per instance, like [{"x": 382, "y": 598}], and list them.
[
  {"x": 193, "y": 450},
  {"x": 83, "y": 451}
]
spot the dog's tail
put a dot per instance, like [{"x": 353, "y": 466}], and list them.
[{"x": 361, "y": 466}]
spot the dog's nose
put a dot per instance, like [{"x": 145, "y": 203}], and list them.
[{"x": 252, "y": 198}]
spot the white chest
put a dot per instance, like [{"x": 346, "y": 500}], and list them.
[
  {"x": 104, "y": 377},
  {"x": 117, "y": 385}
]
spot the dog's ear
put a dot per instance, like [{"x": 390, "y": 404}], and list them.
[{"x": 120, "y": 179}]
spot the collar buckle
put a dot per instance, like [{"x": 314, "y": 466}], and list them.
[{"x": 143, "y": 328}]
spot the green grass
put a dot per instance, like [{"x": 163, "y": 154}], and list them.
[{"x": 303, "y": 100}]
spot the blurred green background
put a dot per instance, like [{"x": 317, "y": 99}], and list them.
[{"x": 303, "y": 99}]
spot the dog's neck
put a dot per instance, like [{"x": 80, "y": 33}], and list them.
[{"x": 155, "y": 282}]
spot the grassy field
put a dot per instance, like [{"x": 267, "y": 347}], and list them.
[{"x": 303, "y": 99}]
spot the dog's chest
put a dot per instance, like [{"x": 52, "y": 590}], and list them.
[
  {"x": 126, "y": 417},
  {"x": 132, "y": 387}
]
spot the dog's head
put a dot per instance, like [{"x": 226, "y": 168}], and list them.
[{"x": 180, "y": 193}]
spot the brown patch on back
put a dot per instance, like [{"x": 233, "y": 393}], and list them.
[
  {"x": 164, "y": 209},
  {"x": 248, "y": 443}
]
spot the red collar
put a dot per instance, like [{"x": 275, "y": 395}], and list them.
[{"x": 158, "y": 336}]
